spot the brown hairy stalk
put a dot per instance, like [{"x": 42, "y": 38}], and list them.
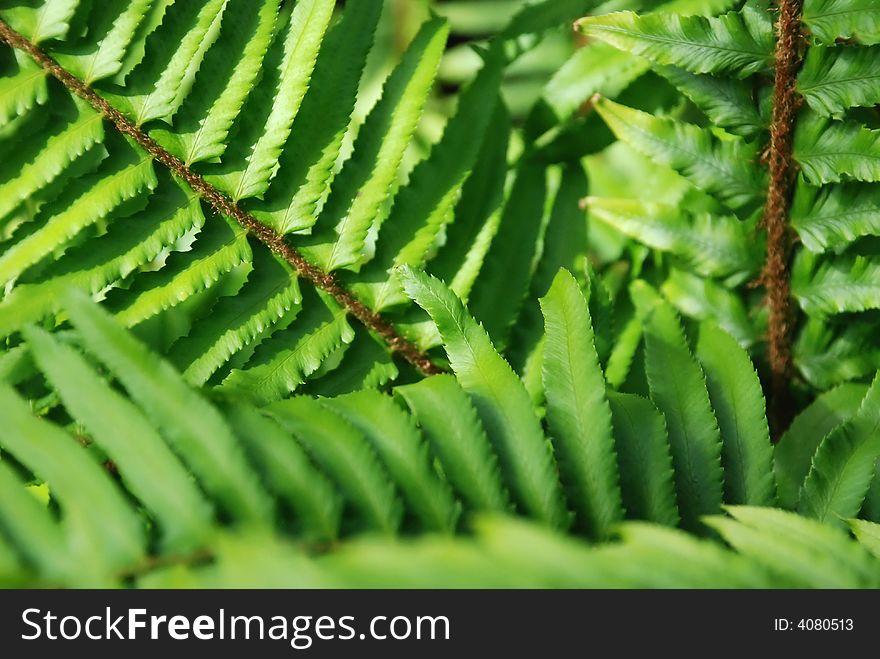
[
  {"x": 776, "y": 276},
  {"x": 275, "y": 241}
]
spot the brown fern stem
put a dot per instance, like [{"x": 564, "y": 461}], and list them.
[
  {"x": 275, "y": 241},
  {"x": 776, "y": 276}
]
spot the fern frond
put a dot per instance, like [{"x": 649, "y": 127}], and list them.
[
  {"x": 807, "y": 553},
  {"x": 400, "y": 446},
  {"x": 449, "y": 421},
  {"x": 500, "y": 290},
  {"x": 111, "y": 33},
  {"x": 477, "y": 212},
  {"x": 267, "y": 117},
  {"x": 868, "y": 534},
  {"x": 305, "y": 166},
  {"x": 725, "y": 169},
  {"x": 578, "y": 415},
  {"x": 833, "y": 80},
  {"x": 834, "y": 151},
  {"x": 128, "y": 244},
  {"x": 80, "y": 133},
  {"x": 120, "y": 178},
  {"x": 738, "y": 404},
  {"x": 139, "y": 454},
  {"x": 347, "y": 457},
  {"x": 678, "y": 388},
  {"x": 727, "y": 102},
  {"x": 844, "y": 465},
  {"x": 738, "y": 43},
  {"x": 794, "y": 453},
  {"x": 289, "y": 473},
  {"x": 226, "y": 75},
  {"x": 499, "y": 396},
  {"x": 220, "y": 248},
  {"x": 236, "y": 321},
  {"x": 835, "y": 215},
  {"x": 830, "y": 20},
  {"x": 712, "y": 245},
  {"x": 705, "y": 299},
  {"x": 828, "y": 356},
  {"x": 282, "y": 363},
  {"x": 425, "y": 204},
  {"x": 98, "y": 514},
  {"x": 49, "y": 20},
  {"x": 22, "y": 90},
  {"x": 34, "y": 532},
  {"x": 192, "y": 426},
  {"x": 361, "y": 188},
  {"x": 645, "y": 463},
  {"x": 174, "y": 52},
  {"x": 838, "y": 285}
]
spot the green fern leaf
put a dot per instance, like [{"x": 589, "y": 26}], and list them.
[
  {"x": 449, "y": 421},
  {"x": 705, "y": 299},
  {"x": 834, "y": 151},
  {"x": 174, "y": 52},
  {"x": 22, "y": 90},
  {"x": 123, "y": 176},
  {"x": 477, "y": 213},
  {"x": 50, "y": 20},
  {"x": 713, "y": 245},
  {"x": 397, "y": 441},
  {"x": 365, "y": 364},
  {"x": 830, "y": 20},
  {"x": 345, "y": 454},
  {"x": 725, "y": 169},
  {"x": 34, "y": 532},
  {"x": 129, "y": 243},
  {"x": 281, "y": 364},
  {"x": 140, "y": 454},
  {"x": 500, "y": 398},
  {"x": 236, "y": 321},
  {"x": 362, "y": 187},
  {"x": 289, "y": 473},
  {"x": 844, "y": 465},
  {"x": 506, "y": 275},
  {"x": 833, "y": 80},
  {"x": 828, "y": 356},
  {"x": 192, "y": 426},
  {"x": 735, "y": 392},
  {"x": 578, "y": 415},
  {"x": 109, "y": 37},
  {"x": 868, "y": 534},
  {"x": 727, "y": 102},
  {"x": 793, "y": 454},
  {"x": 599, "y": 69},
  {"x": 645, "y": 463},
  {"x": 425, "y": 205},
  {"x": 678, "y": 388},
  {"x": 305, "y": 166},
  {"x": 839, "y": 285},
  {"x": 226, "y": 76},
  {"x": 267, "y": 117},
  {"x": 663, "y": 558},
  {"x": 98, "y": 513},
  {"x": 738, "y": 43},
  {"x": 221, "y": 247},
  {"x": 60, "y": 149},
  {"x": 835, "y": 215},
  {"x": 805, "y": 552}
]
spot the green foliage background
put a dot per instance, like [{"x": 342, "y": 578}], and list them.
[{"x": 564, "y": 217}]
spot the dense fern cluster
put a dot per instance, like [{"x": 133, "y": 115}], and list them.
[
  {"x": 251, "y": 329},
  {"x": 724, "y": 68}
]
